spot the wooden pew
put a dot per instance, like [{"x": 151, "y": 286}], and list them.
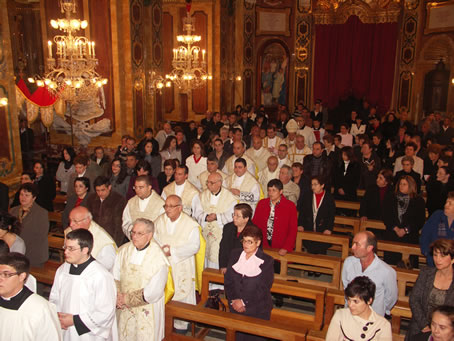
[
  {"x": 46, "y": 274},
  {"x": 372, "y": 224},
  {"x": 405, "y": 278},
  {"x": 353, "y": 223},
  {"x": 333, "y": 298},
  {"x": 55, "y": 217},
  {"x": 403, "y": 248},
  {"x": 351, "y": 205},
  {"x": 56, "y": 242},
  {"x": 400, "y": 310},
  {"x": 308, "y": 262},
  {"x": 313, "y": 293},
  {"x": 228, "y": 321},
  {"x": 341, "y": 241}
]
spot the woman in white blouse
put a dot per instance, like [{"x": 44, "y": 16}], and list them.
[
  {"x": 359, "y": 321},
  {"x": 196, "y": 163}
]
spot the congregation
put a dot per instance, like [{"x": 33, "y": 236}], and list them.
[{"x": 141, "y": 225}]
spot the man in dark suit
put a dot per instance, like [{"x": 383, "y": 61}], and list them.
[
  {"x": 107, "y": 207},
  {"x": 446, "y": 132},
  {"x": 4, "y": 197}
]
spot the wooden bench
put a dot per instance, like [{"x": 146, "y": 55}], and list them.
[
  {"x": 56, "y": 242},
  {"x": 230, "y": 322},
  {"x": 55, "y": 217},
  {"x": 341, "y": 241},
  {"x": 400, "y": 310},
  {"x": 350, "y": 205},
  {"x": 46, "y": 274},
  {"x": 353, "y": 225},
  {"x": 308, "y": 262},
  {"x": 405, "y": 278},
  {"x": 282, "y": 287},
  {"x": 372, "y": 224},
  {"x": 403, "y": 248}
]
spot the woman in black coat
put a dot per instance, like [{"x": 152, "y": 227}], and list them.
[
  {"x": 232, "y": 233},
  {"x": 404, "y": 216},
  {"x": 248, "y": 280},
  {"x": 46, "y": 187},
  {"x": 317, "y": 215},
  {"x": 346, "y": 176}
]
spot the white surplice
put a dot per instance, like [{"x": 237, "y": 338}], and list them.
[
  {"x": 34, "y": 319},
  {"x": 91, "y": 295}
]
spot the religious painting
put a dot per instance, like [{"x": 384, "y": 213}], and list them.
[
  {"x": 440, "y": 17},
  {"x": 274, "y": 75}
]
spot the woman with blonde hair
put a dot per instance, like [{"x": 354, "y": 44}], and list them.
[{"x": 404, "y": 216}]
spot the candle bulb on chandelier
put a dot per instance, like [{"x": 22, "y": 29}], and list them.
[
  {"x": 89, "y": 49},
  {"x": 196, "y": 54},
  {"x": 49, "y": 45},
  {"x": 93, "y": 48},
  {"x": 203, "y": 55}
]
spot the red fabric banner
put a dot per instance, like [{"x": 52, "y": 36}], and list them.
[
  {"x": 41, "y": 97},
  {"x": 355, "y": 59}
]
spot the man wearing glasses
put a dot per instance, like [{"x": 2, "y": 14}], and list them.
[
  {"x": 213, "y": 208},
  {"x": 104, "y": 247},
  {"x": 179, "y": 237},
  {"x": 84, "y": 292},
  {"x": 145, "y": 204},
  {"x": 141, "y": 272},
  {"x": 23, "y": 315}
]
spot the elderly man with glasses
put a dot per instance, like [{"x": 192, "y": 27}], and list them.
[
  {"x": 141, "y": 272},
  {"x": 104, "y": 247},
  {"x": 179, "y": 237}
]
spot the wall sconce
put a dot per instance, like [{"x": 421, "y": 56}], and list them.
[
  {"x": 238, "y": 78},
  {"x": 3, "y": 102}
]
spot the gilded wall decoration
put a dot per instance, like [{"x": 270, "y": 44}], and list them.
[
  {"x": 303, "y": 58},
  {"x": 248, "y": 52},
  {"x": 369, "y": 11}
]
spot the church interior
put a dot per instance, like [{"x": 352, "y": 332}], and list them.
[{"x": 79, "y": 78}]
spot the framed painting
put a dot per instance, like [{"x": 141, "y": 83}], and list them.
[{"x": 440, "y": 17}]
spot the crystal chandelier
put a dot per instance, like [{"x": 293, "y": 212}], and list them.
[
  {"x": 71, "y": 72},
  {"x": 156, "y": 83},
  {"x": 189, "y": 72}
]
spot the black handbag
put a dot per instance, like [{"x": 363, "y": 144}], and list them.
[{"x": 214, "y": 301}]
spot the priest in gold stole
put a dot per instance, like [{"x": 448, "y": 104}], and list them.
[
  {"x": 213, "y": 208},
  {"x": 145, "y": 204},
  {"x": 141, "y": 270},
  {"x": 183, "y": 188},
  {"x": 179, "y": 237},
  {"x": 243, "y": 184}
]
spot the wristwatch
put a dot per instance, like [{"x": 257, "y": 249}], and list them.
[{"x": 406, "y": 230}]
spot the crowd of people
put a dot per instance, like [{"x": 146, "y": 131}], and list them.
[{"x": 214, "y": 194}]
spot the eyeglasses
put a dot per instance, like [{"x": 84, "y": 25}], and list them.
[
  {"x": 70, "y": 248},
  {"x": 247, "y": 241},
  {"x": 236, "y": 216},
  {"x": 138, "y": 234},
  {"x": 170, "y": 206},
  {"x": 5, "y": 275}
]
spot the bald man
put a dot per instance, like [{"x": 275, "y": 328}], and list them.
[
  {"x": 104, "y": 247},
  {"x": 258, "y": 153},
  {"x": 178, "y": 234},
  {"x": 269, "y": 173},
  {"x": 213, "y": 208},
  {"x": 239, "y": 148},
  {"x": 162, "y": 135}
]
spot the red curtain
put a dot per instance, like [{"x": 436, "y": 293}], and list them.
[{"x": 355, "y": 59}]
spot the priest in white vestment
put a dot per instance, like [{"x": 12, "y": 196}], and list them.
[
  {"x": 304, "y": 130},
  {"x": 140, "y": 272},
  {"x": 258, "y": 153},
  {"x": 243, "y": 185},
  {"x": 179, "y": 237},
  {"x": 239, "y": 148},
  {"x": 269, "y": 173},
  {"x": 84, "y": 293},
  {"x": 299, "y": 150},
  {"x": 183, "y": 188},
  {"x": 291, "y": 128},
  {"x": 24, "y": 315},
  {"x": 272, "y": 141},
  {"x": 104, "y": 247},
  {"x": 145, "y": 204},
  {"x": 282, "y": 156},
  {"x": 213, "y": 208},
  {"x": 212, "y": 167}
]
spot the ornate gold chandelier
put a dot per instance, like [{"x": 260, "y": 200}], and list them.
[
  {"x": 189, "y": 70},
  {"x": 71, "y": 72}
]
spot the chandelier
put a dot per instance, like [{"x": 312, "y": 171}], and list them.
[
  {"x": 71, "y": 71},
  {"x": 189, "y": 71},
  {"x": 156, "y": 83}
]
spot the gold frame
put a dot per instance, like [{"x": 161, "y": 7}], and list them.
[
  {"x": 285, "y": 11},
  {"x": 430, "y": 7}
]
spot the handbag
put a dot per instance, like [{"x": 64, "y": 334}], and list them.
[{"x": 214, "y": 301}]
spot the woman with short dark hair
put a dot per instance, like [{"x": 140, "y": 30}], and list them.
[
  {"x": 359, "y": 321},
  {"x": 10, "y": 228},
  {"x": 434, "y": 287},
  {"x": 248, "y": 280},
  {"x": 80, "y": 198}
]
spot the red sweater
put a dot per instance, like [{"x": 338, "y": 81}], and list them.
[{"x": 285, "y": 223}]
